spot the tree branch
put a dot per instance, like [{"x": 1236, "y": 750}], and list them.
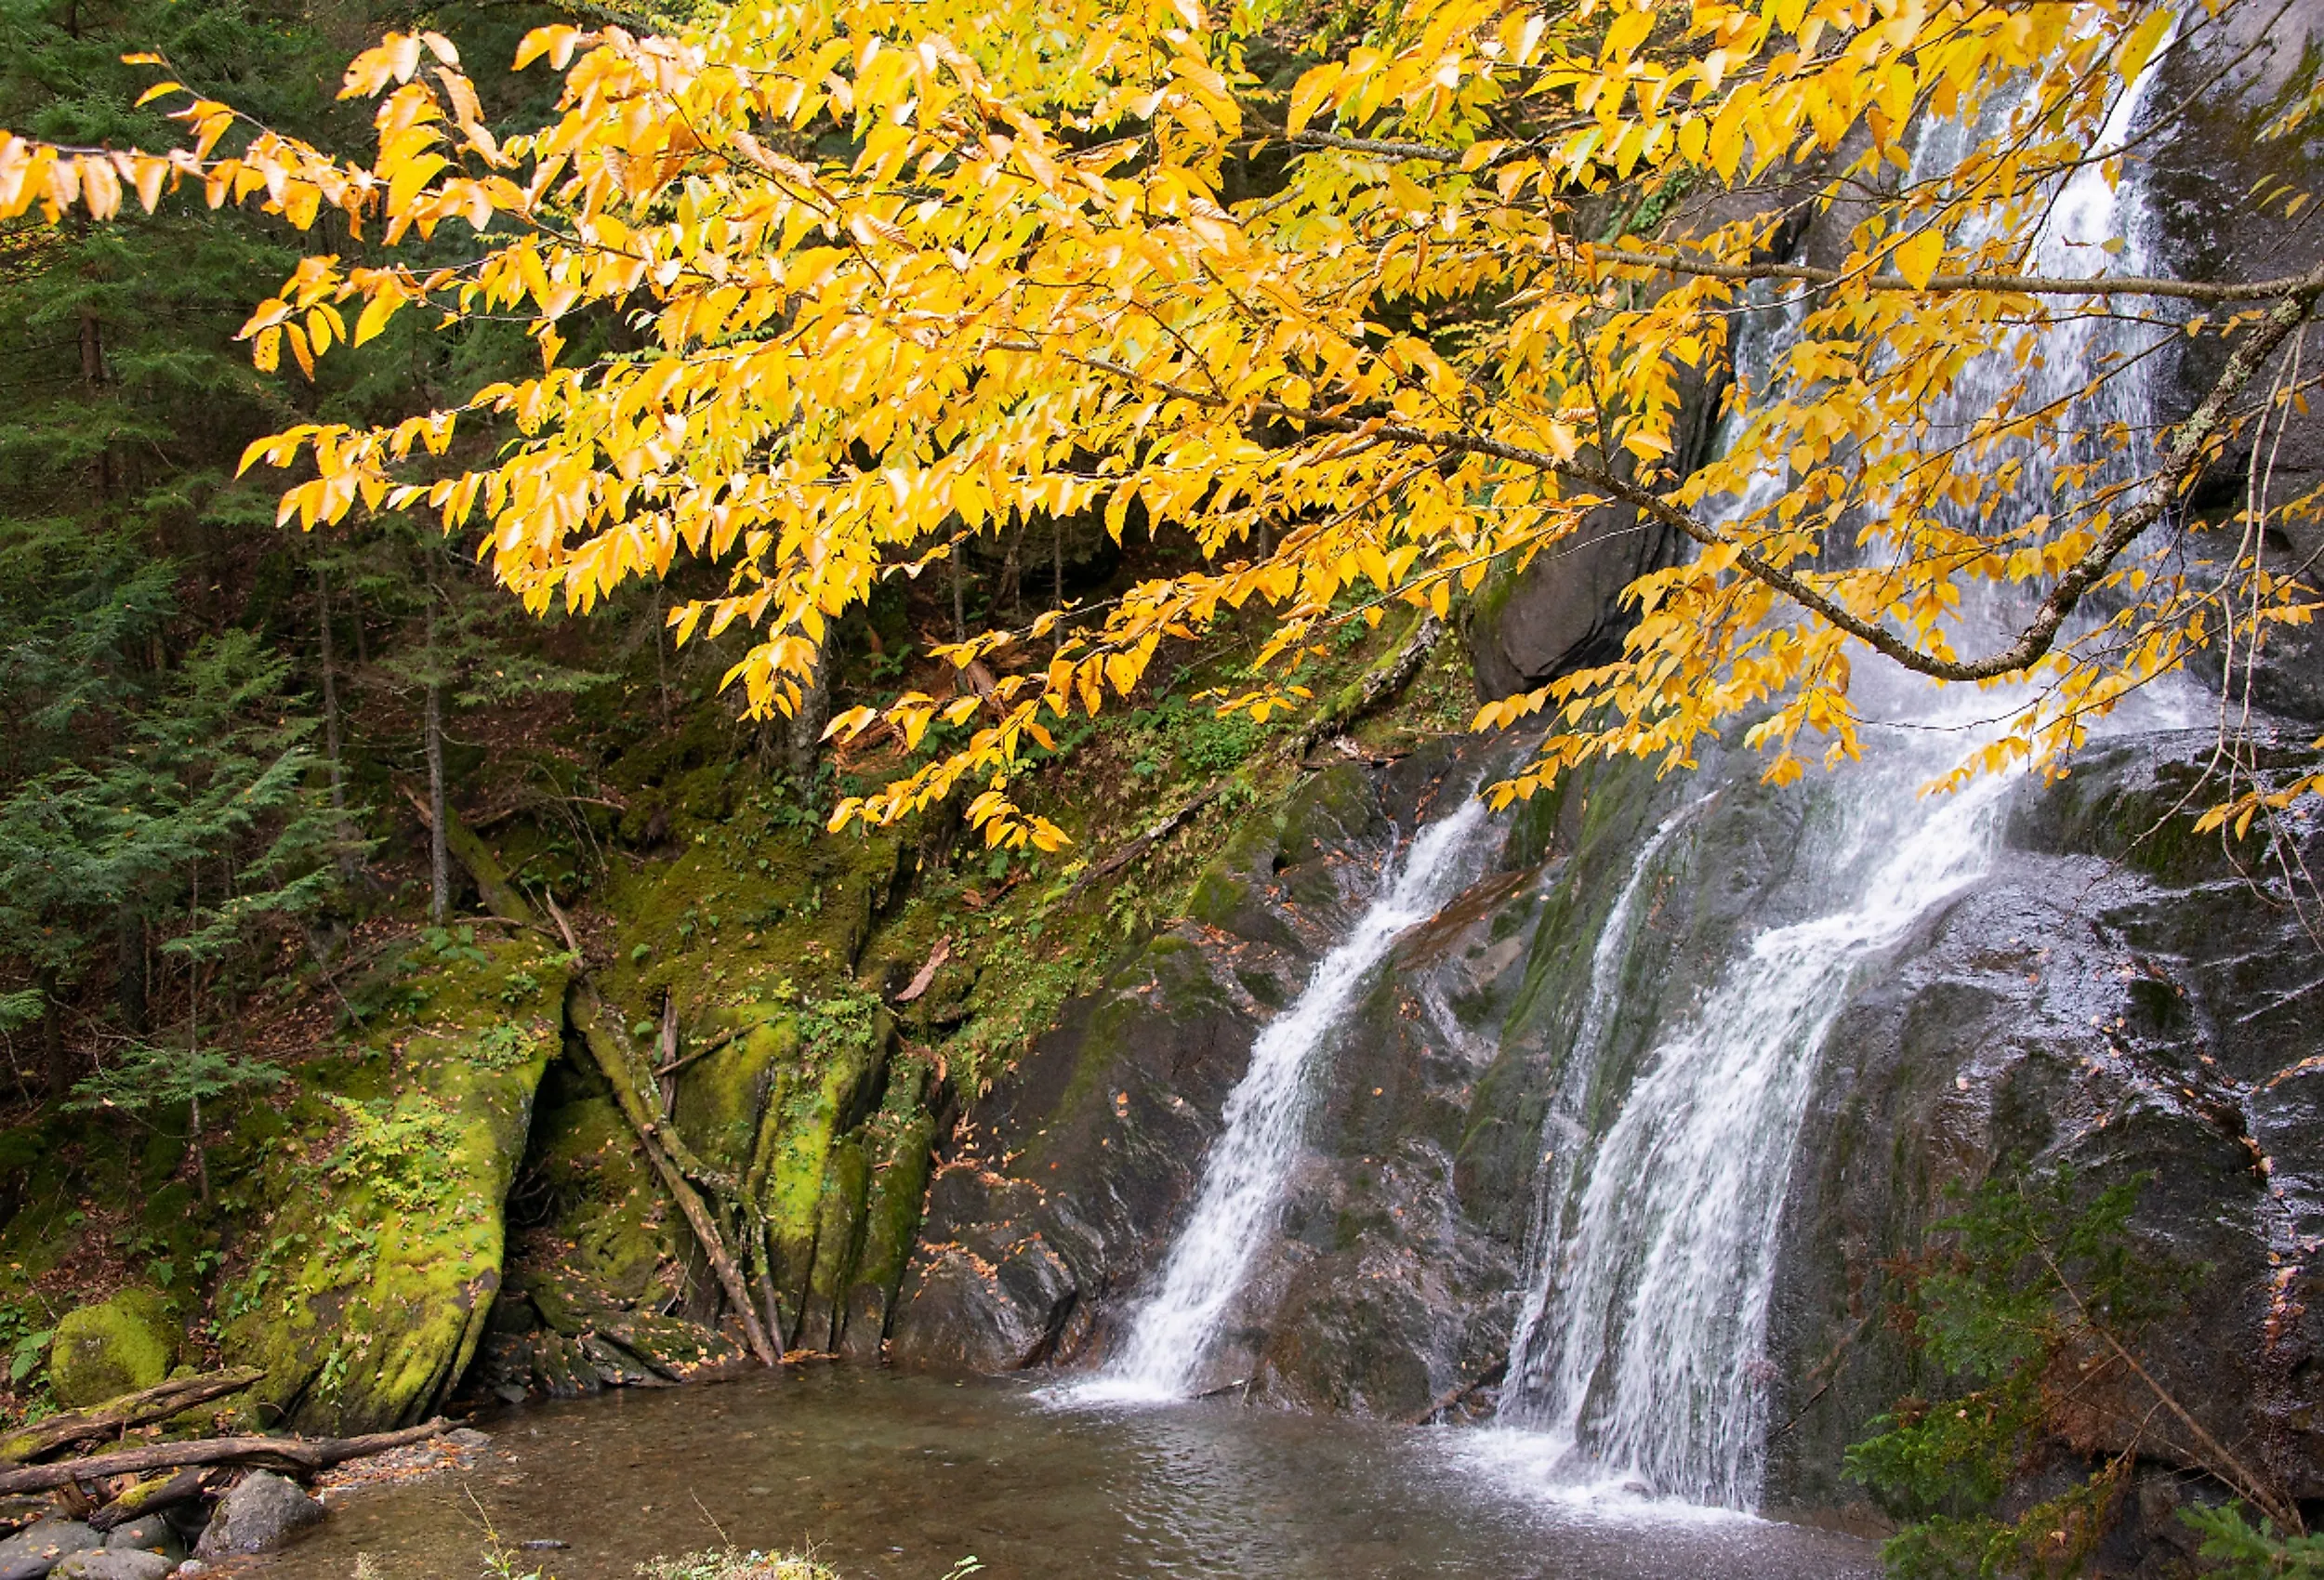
[
  {"x": 2019, "y": 284},
  {"x": 302, "y": 1455}
]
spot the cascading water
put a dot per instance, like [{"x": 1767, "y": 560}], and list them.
[
  {"x": 1640, "y": 1346},
  {"x": 1564, "y": 1130},
  {"x": 1654, "y": 1298},
  {"x": 1250, "y": 1164}
]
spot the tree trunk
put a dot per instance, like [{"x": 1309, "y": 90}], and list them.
[
  {"x": 331, "y": 728},
  {"x": 439, "y": 857},
  {"x": 1011, "y": 588},
  {"x": 1057, "y": 564},
  {"x": 129, "y": 989},
  {"x": 193, "y": 1043},
  {"x": 661, "y": 669},
  {"x": 93, "y": 375},
  {"x": 959, "y": 592},
  {"x": 54, "y": 1056},
  {"x": 814, "y": 712}
]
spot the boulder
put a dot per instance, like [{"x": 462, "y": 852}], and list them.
[
  {"x": 262, "y": 1513},
  {"x": 151, "y": 1534},
  {"x": 37, "y": 1549},
  {"x": 103, "y": 1351},
  {"x": 115, "y": 1563},
  {"x": 368, "y": 1337},
  {"x": 1378, "y": 1294}
]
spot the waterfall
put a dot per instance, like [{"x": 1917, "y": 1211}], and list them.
[
  {"x": 1640, "y": 1348},
  {"x": 1662, "y": 1283},
  {"x": 1565, "y": 1134},
  {"x": 1245, "y": 1176}
]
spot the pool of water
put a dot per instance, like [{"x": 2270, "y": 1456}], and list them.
[{"x": 892, "y": 1477}]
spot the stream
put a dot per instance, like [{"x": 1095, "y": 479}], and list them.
[{"x": 889, "y": 1476}]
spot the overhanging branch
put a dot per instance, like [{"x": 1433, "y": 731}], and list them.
[{"x": 2013, "y": 285}]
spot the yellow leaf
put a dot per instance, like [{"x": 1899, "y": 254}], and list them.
[{"x": 1915, "y": 257}]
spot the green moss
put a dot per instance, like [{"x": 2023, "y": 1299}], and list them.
[
  {"x": 100, "y": 1352},
  {"x": 377, "y": 1265},
  {"x": 720, "y": 1097},
  {"x": 892, "y": 1211},
  {"x": 839, "y": 1219}
]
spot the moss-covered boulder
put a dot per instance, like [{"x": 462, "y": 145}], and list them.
[
  {"x": 100, "y": 1352},
  {"x": 375, "y": 1272}
]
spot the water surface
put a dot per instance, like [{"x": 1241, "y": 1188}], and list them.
[{"x": 894, "y": 1478}]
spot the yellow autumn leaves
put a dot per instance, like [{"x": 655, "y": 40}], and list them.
[{"x": 907, "y": 273}]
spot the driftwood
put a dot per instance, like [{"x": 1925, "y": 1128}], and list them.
[
  {"x": 117, "y": 1416},
  {"x": 599, "y": 1032},
  {"x": 303, "y": 1457}
]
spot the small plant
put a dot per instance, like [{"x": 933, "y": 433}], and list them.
[
  {"x": 26, "y": 1353},
  {"x": 731, "y": 1563},
  {"x": 2244, "y": 1551},
  {"x": 2039, "y": 1299},
  {"x": 506, "y": 1044},
  {"x": 396, "y": 1149},
  {"x": 841, "y": 1022},
  {"x": 454, "y": 945}
]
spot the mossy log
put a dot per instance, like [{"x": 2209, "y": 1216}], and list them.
[
  {"x": 590, "y": 1020},
  {"x": 151, "y": 1495},
  {"x": 1378, "y": 685},
  {"x": 302, "y": 1456},
  {"x": 587, "y": 1010},
  {"x": 117, "y": 1416}
]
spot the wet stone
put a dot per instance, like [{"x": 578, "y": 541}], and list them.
[
  {"x": 262, "y": 1513},
  {"x": 151, "y": 1534},
  {"x": 36, "y": 1550},
  {"x": 114, "y": 1564}
]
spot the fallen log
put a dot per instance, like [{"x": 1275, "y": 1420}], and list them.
[
  {"x": 1108, "y": 866},
  {"x": 151, "y": 1496},
  {"x": 303, "y": 1457},
  {"x": 600, "y": 1033},
  {"x": 117, "y": 1416},
  {"x": 1492, "y": 1374},
  {"x": 1379, "y": 685}
]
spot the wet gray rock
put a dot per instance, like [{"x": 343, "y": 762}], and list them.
[
  {"x": 36, "y": 1550},
  {"x": 114, "y": 1564},
  {"x": 2229, "y": 81},
  {"x": 152, "y": 1533},
  {"x": 1385, "y": 1285},
  {"x": 263, "y": 1512},
  {"x": 2100, "y": 1003}
]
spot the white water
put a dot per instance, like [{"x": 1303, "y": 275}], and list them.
[
  {"x": 1639, "y": 1358},
  {"x": 1565, "y": 1133},
  {"x": 1265, "y": 1116},
  {"x": 1656, "y": 1298}
]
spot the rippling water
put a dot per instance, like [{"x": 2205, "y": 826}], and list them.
[{"x": 891, "y": 1477}]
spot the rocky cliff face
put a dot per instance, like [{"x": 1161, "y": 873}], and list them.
[{"x": 1391, "y": 1278}]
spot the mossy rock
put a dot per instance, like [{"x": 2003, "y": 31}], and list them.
[
  {"x": 381, "y": 1262},
  {"x": 100, "y": 1352}
]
